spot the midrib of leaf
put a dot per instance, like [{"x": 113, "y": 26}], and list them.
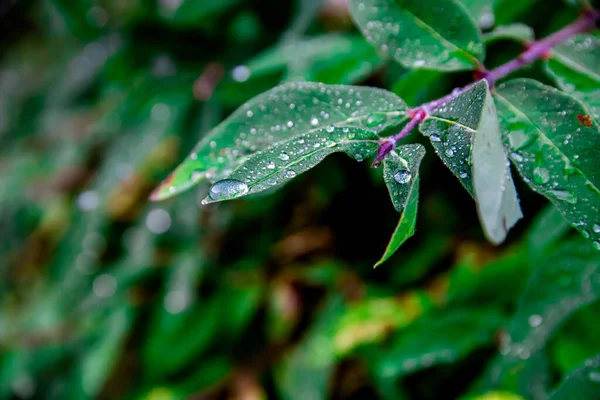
[
  {"x": 435, "y": 33},
  {"x": 305, "y": 156},
  {"x": 576, "y": 66},
  {"x": 546, "y": 139},
  {"x": 448, "y": 121}
]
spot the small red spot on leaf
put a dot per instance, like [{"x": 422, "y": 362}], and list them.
[{"x": 585, "y": 120}]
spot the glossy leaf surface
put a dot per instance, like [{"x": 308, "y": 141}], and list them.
[
  {"x": 555, "y": 152},
  {"x": 433, "y": 34},
  {"x": 285, "y": 160},
  {"x": 280, "y": 114},
  {"x": 401, "y": 175},
  {"x": 574, "y": 68},
  {"x": 466, "y": 135}
]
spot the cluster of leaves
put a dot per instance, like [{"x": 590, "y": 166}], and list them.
[{"x": 105, "y": 295}]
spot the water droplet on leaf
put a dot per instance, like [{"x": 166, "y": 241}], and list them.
[
  {"x": 403, "y": 176},
  {"x": 227, "y": 189}
]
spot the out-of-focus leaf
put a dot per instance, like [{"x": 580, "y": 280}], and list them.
[
  {"x": 482, "y": 11},
  {"x": 401, "y": 175},
  {"x": 583, "y": 383},
  {"x": 434, "y": 34},
  {"x": 496, "y": 396},
  {"x": 576, "y": 339},
  {"x": 278, "y": 115},
  {"x": 370, "y": 320},
  {"x": 431, "y": 86},
  {"x": 516, "y": 32},
  {"x": 439, "y": 338},
  {"x": 507, "y": 11},
  {"x": 339, "y": 59},
  {"x": 553, "y": 150},
  {"x": 465, "y": 134},
  {"x": 101, "y": 356},
  {"x": 564, "y": 281},
  {"x": 549, "y": 225},
  {"x": 285, "y": 160},
  {"x": 194, "y": 12},
  {"x": 574, "y": 68},
  {"x": 305, "y": 372}
]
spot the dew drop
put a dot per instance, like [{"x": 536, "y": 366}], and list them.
[
  {"x": 541, "y": 175},
  {"x": 290, "y": 174},
  {"x": 535, "y": 320},
  {"x": 330, "y": 128},
  {"x": 403, "y": 176},
  {"x": 290, "y": 124},
  {"x": 435, "y": 138},
  {"x": 227, "y": 189},
  {"x": 271, "y": 165},
  {"x": 284, "y": 157},
  {"x": 375, "y": 119},
  {"x": 241, "y": 73},
  {"x": 314, "y": 122},
  {"x": 450, "y": 153},
  {"x": 564, "y": 196},
  {"x": 596, "y": 228},
  {"x": 596, "y": 245},
  {"x": 594, "y": 376},
  {"x": 249, "y": 113}
]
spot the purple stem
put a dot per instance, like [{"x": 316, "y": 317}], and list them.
[
  {"x": 542, "y": 47},
  {"x": 536, "y": 50}
]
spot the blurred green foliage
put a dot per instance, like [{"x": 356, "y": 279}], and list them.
[{"x": 105, "y": 295}]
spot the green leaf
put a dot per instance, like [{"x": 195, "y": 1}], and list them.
[
  {"x": 286, "y": 160},
  {"x": 305, "y": 372},
  {"x": 516, "y": 32},
  {"x": 278, "y": 115},
  {"x": 553, "y": 150},
  {"x": 101, "y": 356},
  {"x": 435, "y": 339},
  {"x": 433, "y": 34},
  {"x": 401, "y": 175},
  {"x": 564, "y": 281},
  {"x": 193, "y": 12},
  {"x": 350, "y": 56},
  {"x": 495, "y": 192},
  {"x": 574, "y": 68},
  {"x": 482, "y": 11},
  {"x": 432, "y": 85},
  {"x": 583, "y": 383},
  {"x": 465, "y": 134}
]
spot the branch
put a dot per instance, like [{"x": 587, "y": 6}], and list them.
[{"x": 536, "y": 50}]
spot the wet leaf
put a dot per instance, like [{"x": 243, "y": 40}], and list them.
[
  {"x": 564, "y": 281},
  {"x": 435, "y": 339},
  {"x": 465, "y": 134},
  {"x": 401, "y": 175},
  {"x": 286, "y": 160},
  {"x": 497, "y": 203},
  {"x": 482, "y": 11},
  {"x": 582, "y": 383},
  {"x": 433, "y": 34},
  {"x": 574, "y": 68},
  {"x": 516, "y": 32},
  {"x": 555, "y": 153},
  {"x": 278, "y": 115}
]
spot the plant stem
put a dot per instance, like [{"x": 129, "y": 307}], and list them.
[
  {"x": 542, "y": 47},
  {"x": 534, "y": 51}
]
